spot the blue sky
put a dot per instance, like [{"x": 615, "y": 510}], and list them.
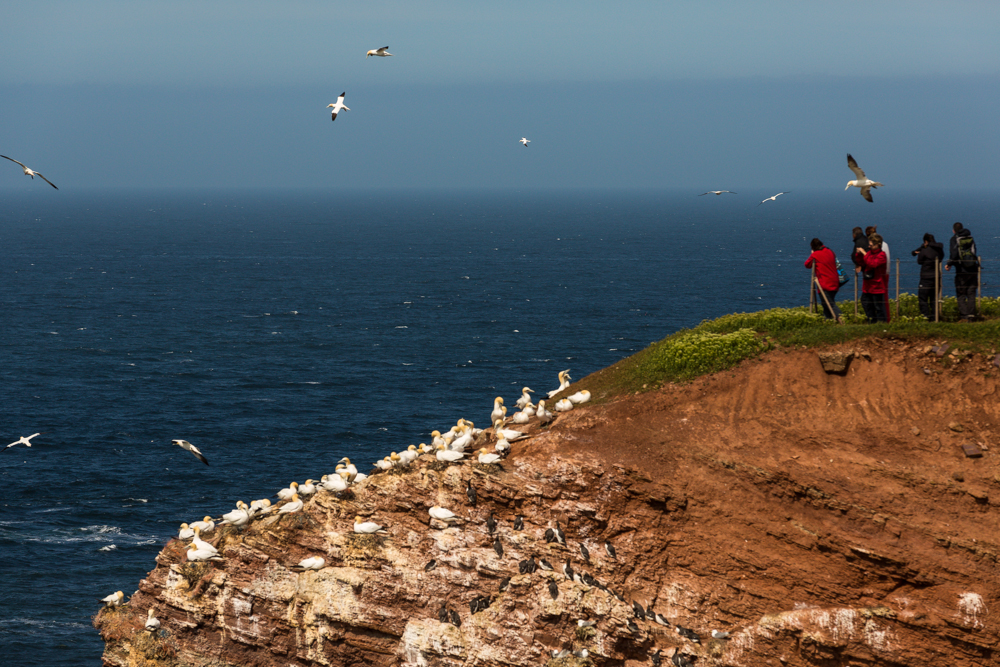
[{"x": 645, "y": 94}]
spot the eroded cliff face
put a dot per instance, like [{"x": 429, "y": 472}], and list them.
[{"x": 822, "y": 520}]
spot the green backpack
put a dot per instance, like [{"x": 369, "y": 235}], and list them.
[{"x": 966, "y": 253}]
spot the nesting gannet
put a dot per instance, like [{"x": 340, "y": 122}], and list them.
[
  {"x": 238, "y": 517},
  {"x": 152, "y": 623},
  {"x": 116, "y": 599},
  {"x": 486, "y": 458},
  {"x": 200, "y": 543},
  {"x": 184, "y": 444},
  {"x": 30, "y": 172},
  {"x": 26, "y": 441},
  {"x": 461, "y": 442},
  {"x": 185, "y": 533},
  {"x": 716, "y": 192},
  {"x": 544, "y": 416},
  {"x": 351, "y": 469},
  {"x": 564, "y": 405},
  {"x": 863, "y": 182},
  {"x": 772, "y": 198},
  {"x": 508, "y": 434},
  {"x": 438, "y": 439},
  {"x": 307, "y": 489},
  {"x": 719, "y": 634},
  {"x": 499, "y": 411},
  {"x": 442, "y": 514},
  {"x": 502, "y": 447},
  {"x": 524, "y": 142},
  {"x": 579, "y": 397},
  {"x": 525, "y": 399},
  {"x": 380, "y": 52},
  {"x": 409, "y": 455},
  {"x": 294, "y": 504},
  {"x": 564, "y": 381},
  {"x": 521, "y": 417},
  {"x": 368, "y": 527},
  {"x": 206, "y": 525},
  {"x": 334, "y": 483},
  {"x": 449, "y": 455},
  {"x": 337, "y": 106},
  {"x": 196, "y": 553},
  {"x": 286, "y": 494},
  {"x": 262, "y": 506},
  {"x": 313, "y": 563}
]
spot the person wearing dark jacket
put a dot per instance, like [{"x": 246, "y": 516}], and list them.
[
  {"x": 875, "y": 287},
  {"x": 928, "y": 255},
  {"x": 860, "y": 243},
  {"x": 966, "y": 272}
]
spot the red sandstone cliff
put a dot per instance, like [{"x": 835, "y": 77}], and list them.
[{"x": 822, "y": 519}]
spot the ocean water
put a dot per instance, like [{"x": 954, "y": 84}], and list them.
[{"x": 281, "y": 331}]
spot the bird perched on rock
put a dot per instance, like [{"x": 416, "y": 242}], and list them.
[
  {"x": 719, "y": 634},
  {"x": 564, "y": 381},
  {"x": 568, "y": 571},
  {"x": 559, "y": 655},
  {"x": 430, "y": 566},
  {"x": 638, "y": 611},
  {"x": 632, "y": 627},
  {"x": 581, "y": 623},
  {"x": 519, "y": 522},
  {"x": 152, "y": 623},
  {"x": 497, "y": 547},
  {"x": 545, "y": 565},
  {"x": 655, "y": 657},
  {"x": 443, "y": 515},
  {"x": 688, "y": 634},
  {"x": 456, "y": 620},
  {"x": 679, "y": 659},
  {"x": 553, "y": 589},
  {"x": 527, "y": 566},
  {"x": 525, "y": 398},
  {"x": 550, "y": 535},
  {"x": 368, "y": 527},
  {"x": 314, "y": 563},
  {"x": 560, "y": 535},
  {"x": 610, "y": 549},
  {"x": 443, "y": 615},
  {"x": 504, "y": 584},
  {"x": 116, "y": 599},
  {"x": 491, "y": 523},
  {"x": 585, "y": 552},
  {"x": 470, "y": 493}
]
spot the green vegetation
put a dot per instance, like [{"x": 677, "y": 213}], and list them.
[{"x": 715, "y": 345}]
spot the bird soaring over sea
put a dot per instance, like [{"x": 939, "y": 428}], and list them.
[
  {"x": 380, "y": 52},
  {"x": 184, "y": 444},
  {"x": 30, "y": 172},
  {"x": 716, "y": 192},
  {"x": 524, "y": 142},
  {"x": 337, "y": 106},
  {"x": 26, "y": 441},
  {"x": 772, "y": 198},
  {"x": 863, "y": 182}
]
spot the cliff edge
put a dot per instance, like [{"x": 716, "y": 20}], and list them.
[{"x": 820, "y": 519}]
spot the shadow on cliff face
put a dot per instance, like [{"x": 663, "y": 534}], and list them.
[{"x": 820, "y": 519}]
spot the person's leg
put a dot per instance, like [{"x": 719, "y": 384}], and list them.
[
  {"x": 868, "y": 304},
  {"x": 881, "y": 308},
  {"x": 925, "y": 295},
  {"x": 965, "y": 290},
  {"x": 822, "y": 301},
  {"x": 831, "y": 296}
]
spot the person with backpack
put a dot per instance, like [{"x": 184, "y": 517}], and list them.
[
  {"x": 828, "y": 274},
  {"x": 875, "y": 288},
  {"x": 928, "y": 255},
  {"x": 965, "y": 259}
]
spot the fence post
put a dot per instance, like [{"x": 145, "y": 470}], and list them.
[
  {"x": 937, "y": 290},
  {"x": 856, "y": 274},
  {"x": 812, "y": 293},
  {"x": 979, "y": 285},
  {"x": 897, "y": 288}
]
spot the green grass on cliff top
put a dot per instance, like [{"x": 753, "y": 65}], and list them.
[{"x": 715, "y": 345}]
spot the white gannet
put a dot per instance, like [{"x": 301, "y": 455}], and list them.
[
  {"x": 449, "y": 455},
  {"x": 471, "y": 426},
  {"x": 286, "y": 494},
  {"x": 201, "y": 544},
  {"x": 360, "y": 477},
  {"x": 442, "y": 514},
  {"x": 486, "y": 458},
  {"x": 499, "y": 411},
  {"x": 262, "y": 506},
  {"x": 525, "y": 399},
  {"x": 579, "y": 397},
  {"x": 307, "y": 489},
  {"x": 184, "y": 444},
  {"x": 26, "y": 441},
  {"x": 368, "y": 527},
  {"x": 396, "y": 459},
  {"x": 185, "y": 533},
  {"x": 380, "y": 52},
  {"x": 409, "y": 455},
  {"x": 152, "y": 623},
  {"x": 461, "y": 442},
  {"x": 438, "y": 439},
  {"x": 775, "y": 197},
  {"x": 31, "y": 172},
  {"x": 564, "y": 381},
  {"x": 116, "y": 599},
  {"x": 502, "y": 447},
  {"x": 716, "y": 192},
  {"x": 507, "y": 433},
  {"x": 196, "y": 553},
  {"x": 524, "y": 142},
  {"x": 335, "y": 483},
  {"x": 238, "y": 517},
  {"x": 337, "y": 106},
  {"x": 351, "y": 469},
  {"x": 313, "y": 563},
  {"x": 521, "y": 417},
  {"x": 529, "y": 409},
  {"x": 863, "y": 182},
  {"x": 384, "y": 464},
  {"x": 544, "y": 416},
  {"x": 293, "y": 505},
  {"x": 719, "y": 634},
  {"x": 206, "y": 525},
  {"x": 564, "y": 405}
]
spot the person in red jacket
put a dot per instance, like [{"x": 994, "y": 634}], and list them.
[
  {"x": 874, "y": 289},
  {"x": 827, "y": 276}
]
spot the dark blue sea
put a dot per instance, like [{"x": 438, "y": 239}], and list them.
[{"x": 281, "y": 331}]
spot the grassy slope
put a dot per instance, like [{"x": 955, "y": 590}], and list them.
[{"x": 715, "y": 345}]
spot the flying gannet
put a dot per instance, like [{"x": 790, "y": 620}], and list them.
[
  {"x": 775, "y": 197},
  {"x": 337, "y": 106},
  {"x": 26, "y": 441},
  {"x": 524, "y": 142},
  {"x": 716, "y": 192},
  {"x": 30, "y": 172},
  {"x": 152, "y": 623},
  {"x": 184, "y": 444},
  {"x": 863, "y": 182},
  {"x": 381, "y": 53},
  {"x": 368, "y": 527},
  {"x": 564, "y": 381}
]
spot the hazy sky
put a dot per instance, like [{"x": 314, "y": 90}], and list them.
[{"x": 707, "y": 94}]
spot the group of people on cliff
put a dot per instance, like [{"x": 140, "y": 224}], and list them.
[{"x": 871, "y": 262}]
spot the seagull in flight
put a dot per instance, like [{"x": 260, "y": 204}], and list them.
[
  {"x": 773, "y": 198},
  {"x": 338, "y": 106},
  {"x": 524, "y": 141},
  {"x": 33, "y": 173},
  {"x": 382, "y": 53},
  {"x": 184, "y": 444},
  {"x": 863, "y": 182},
  {"x": 22, "y": 440},
  {"x": 716, "y": 192}
]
